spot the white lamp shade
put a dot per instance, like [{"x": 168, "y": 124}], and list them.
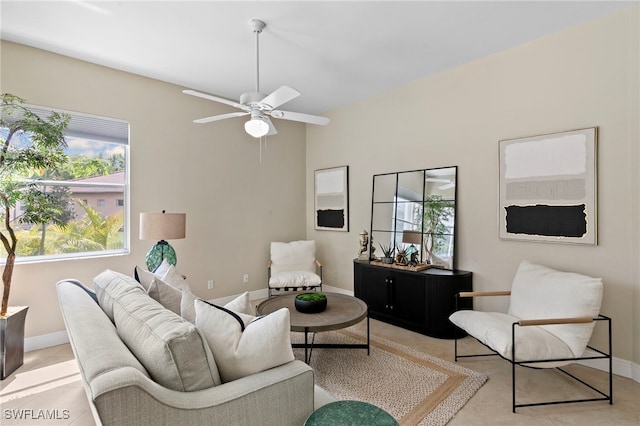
[
  {"x": 162, "y": 226},
  {"x": 256, "y": 127}
]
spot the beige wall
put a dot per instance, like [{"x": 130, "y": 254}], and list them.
[
  {"x": 582, "y": 77},
  {"x": 234, "y": 204}
]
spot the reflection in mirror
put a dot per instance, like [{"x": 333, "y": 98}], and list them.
[{"x": 415, "y": 211}]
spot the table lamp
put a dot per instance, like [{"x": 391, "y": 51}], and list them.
[
  {"x": 411, "y": 237},
  {"x": 162, "y": 226}
]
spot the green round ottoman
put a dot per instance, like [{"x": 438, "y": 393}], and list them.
[{"x": 353, "y": 413}]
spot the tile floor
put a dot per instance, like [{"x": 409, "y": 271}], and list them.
[{"x": 48, "y": 384}]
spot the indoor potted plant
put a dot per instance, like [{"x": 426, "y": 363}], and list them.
[
  {"x": 436, "y": 212},
  {"x": 311, "y": 303},
  {"x": 29, "y": 147},
  {"x": 387, "y": 252}
]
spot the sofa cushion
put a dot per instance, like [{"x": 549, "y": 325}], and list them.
[
  {"x": 173, "y": 351},
  {"x": 243, "y": 344},
  {"x": 540, "y": 292},
  {"x": 93, "y": 336},
  {"x": 110, "y": 286}
]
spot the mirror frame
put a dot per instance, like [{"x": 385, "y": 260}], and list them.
[{"x": 389, "y": 188}]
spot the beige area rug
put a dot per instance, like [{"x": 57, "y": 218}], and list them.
[{"x": 414, "y": 387}]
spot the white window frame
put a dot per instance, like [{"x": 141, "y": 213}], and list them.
[{"x": 102, "y": 129}]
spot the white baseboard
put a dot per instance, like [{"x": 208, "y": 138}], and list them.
[
  {"x": 621, "y": 367},
  {"x": 45, "y": 341}
]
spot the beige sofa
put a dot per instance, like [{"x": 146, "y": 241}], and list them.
[{"x": 120, "y": 387}]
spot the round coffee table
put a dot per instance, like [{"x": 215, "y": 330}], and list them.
[{"x": 342, "y": 311}]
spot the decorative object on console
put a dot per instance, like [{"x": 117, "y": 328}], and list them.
[
  {"x": 364, "y": 245},
  {"x": 548, "y": 187},
  {"x": 412, "y": 252},
  {"x": 311, "y": 303},
  {"x": 331, "y": 195},
  {"x": 401, "y": 257},
  {"x": 162, "y": 226}
]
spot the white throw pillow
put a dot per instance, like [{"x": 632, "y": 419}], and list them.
[
  {"x": 294, "y": 279},
  {"x": 165, "y": 294},
  {"x": 239, "y": 305},
  {"x": 241, "y": 345},
  {"x": 162, "y": 268},
  {"x": 144, "y": 277},
  {"x": 172, "y": 277},
  {"x": 187, "y": 306}
]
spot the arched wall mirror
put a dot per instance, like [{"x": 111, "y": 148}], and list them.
[{"x": 416, "y": 210}]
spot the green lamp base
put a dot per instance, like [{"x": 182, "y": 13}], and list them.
[{"x": 162, "y": 250}]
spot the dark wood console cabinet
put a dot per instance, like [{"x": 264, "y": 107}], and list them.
[{"x": 418, "y": 301}]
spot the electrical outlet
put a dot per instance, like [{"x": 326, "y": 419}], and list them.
[
  {"x": 245, "y": 278},
  {"x": 210, "y": 284}
]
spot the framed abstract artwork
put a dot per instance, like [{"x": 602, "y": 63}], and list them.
[
  {"x": 548, "y": 187},
  {"x": 331, "y": 199}
]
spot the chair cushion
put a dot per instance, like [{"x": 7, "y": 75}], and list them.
[
  {"x": 541, "y": 292},
  {"x": 293, "y": 256},
  {"x": 294, "y": 279},
  {"x": 243, "y": 344},
  {"x": 494, "y": 330}
]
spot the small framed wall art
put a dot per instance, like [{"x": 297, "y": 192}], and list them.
[
  {"x": 548, "y": 187},
  {"x": 331, "y": 199}
]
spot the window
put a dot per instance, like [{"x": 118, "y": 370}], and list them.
[{"x": 91, "y": 189}]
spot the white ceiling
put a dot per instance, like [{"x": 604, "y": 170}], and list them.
[{"x": 333, "y": 52}]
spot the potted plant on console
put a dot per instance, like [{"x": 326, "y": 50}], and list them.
[
  {"x": 387, "y": 252},
  {"x": 30, "y": 146}
]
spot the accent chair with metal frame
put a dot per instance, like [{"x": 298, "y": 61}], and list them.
[
  {"x": 549, "y": 323},
  {"x": 293, "y": 266}
]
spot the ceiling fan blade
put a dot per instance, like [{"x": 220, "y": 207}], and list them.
[
  {"x": 280, "y": 96},
  {"x": 213, "y": 98},
  {"x": 220, "y": 117},
  {"x": 447, "y": 186},
  {"x": 272, "y": 128},
  {"x": 297, "y": 116}
]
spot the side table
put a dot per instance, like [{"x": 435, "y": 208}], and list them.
[{"x": 353, "y": 413}]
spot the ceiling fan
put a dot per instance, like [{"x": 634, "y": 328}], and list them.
[
  {"x": 257, "y": 105},
  {"x": 448, "y": 183}
]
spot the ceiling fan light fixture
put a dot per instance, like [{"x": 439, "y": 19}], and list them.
[{"x": 256, "y": 127}]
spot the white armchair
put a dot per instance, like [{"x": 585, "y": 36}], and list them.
[
  {"x": 293, "y": 266},
  {"x": 549, "y": 323}
]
